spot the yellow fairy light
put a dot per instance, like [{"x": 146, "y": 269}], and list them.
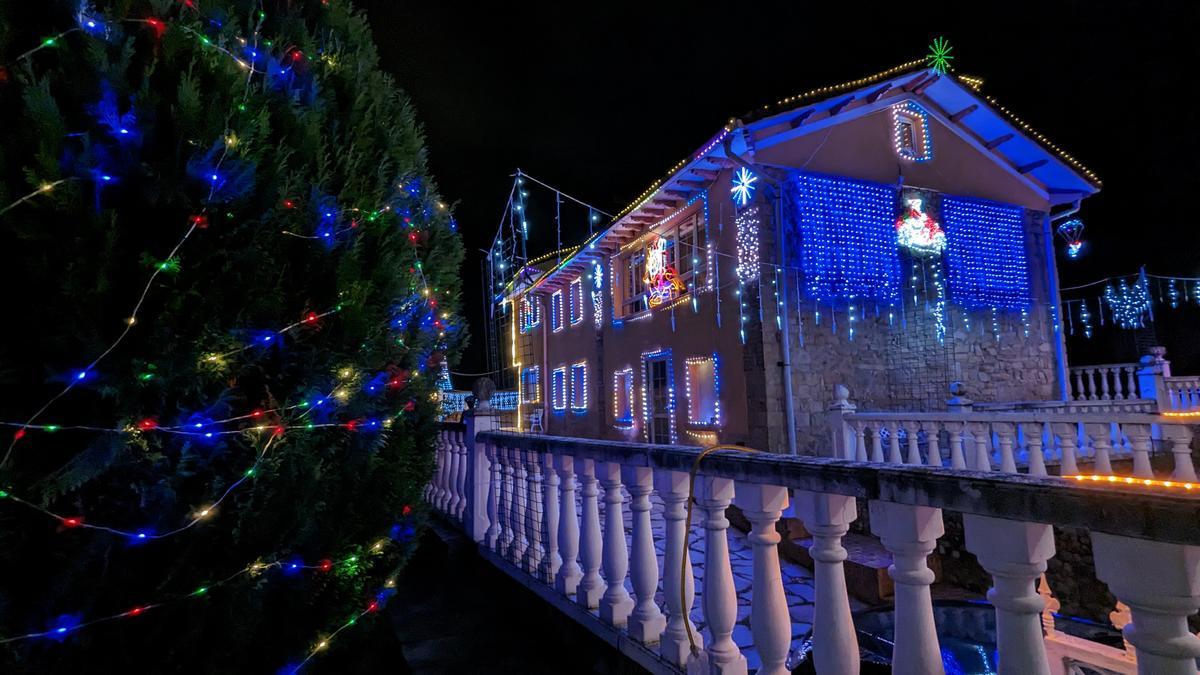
[
  {"x": 345, "y": 373},
  {"x": 1130, "y": 480},
  {"x": 341, "y": 394},
  {"x": 204, "y": 512},
  {"x": 131, "y": 321},
  {"x": 322, "y": 644},
  {"x": 1184, "y": 415}
]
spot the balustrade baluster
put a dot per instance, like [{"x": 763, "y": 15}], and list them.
[
  {"x": 860, "y": 447},
  {"x": 770, "y": 623},
  {"x": 1160, "y": 583},
  {"x": 615, "y": 604},
  {"x": 720, "y": 595},
  {"x": 877, "y": 444},
  {"x": 1104, "y": 395},
  {"x": 1068, "y": 440},
  {"x": 507, "y": 508},
  {"x": 454, "y": 497},
  {"x": 492, "y": 536},
  {"x": 460, "y": 478},
  {"x": 1015, "y": 554},
  {"x": 591, "y": 586},
  {"x": 1119, "y": 383},
  {"x": 827, "y": 517},
  {"x": 673, "y": 488},
  {"x": 1078, "y": 393},
  {"x": 1006, "y": 434},
  {"x": 894, "y": 444},
  {"x": 983, "y": 458},
  {"x": 1131, "y": 383},
  {"x": 1179, "y": 437},
  {"x": 1139, "y": 440},
  {"x": 914, "y": 453},
  {"x": 934, "y": 450},
  {"x": 646, "y": 621},
  {"x": 1092, "y": 388},
  {"x": 910, "y": 534},
  {"x": 569, "y": 573},
  {"x": 1033, "y": 440},
  {"x": 520, "y": 504},
  {"x": 552, "y": 561},
  {"x": 957, "y": 461},
  {"x": 535, "y": 552},
  {"x": 1100, "y": 435}
]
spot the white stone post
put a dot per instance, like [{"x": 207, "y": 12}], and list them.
[
  {"x": 492, "y": 535},
  {"x": 841, "y": 433},
  {"x": 1068, "y": 440},
  {"x": 910, "y": 534},
  {"x": 720, "y": 596},
  {"x": 1180, "y": 438},
  {"x": 479, "y": 512},
  {"x": 507, "y": 484},
  {"x": 1033, "y": 440},
  {"x": 441, "y": 495},
  {"x": 520, "y": 503},
  {"x": 983, "y": 435},
  {"x": 1139, "y": 439},
  {"x": 1160, "y": 583},
  {"x": 894, "y": 456},
  {"x": 552, "y": 561},
  {"x": 535, "y": 552},
  {"x": 911, "y": 430},
  {"x": 460, "y": 479},
  {"x": 1015, "y": 554},
  {"x": 957, "y": 460},
  {"x": 453, "y": 497},
  {"x": 827, "y": 517},
  {"x": 646, "y": 622},
  {"x": 770, "y": 622},
  {"x": 1100, "y": 435},
  {"x": 1007, "y": 435},
  {"x": 615, "y": 604},
  {"x": 569, "y": 573},
  {"x": 1152, "y": 372},
  {"x": 591, "y": 586},
  {"x": 679, "y": 591}
]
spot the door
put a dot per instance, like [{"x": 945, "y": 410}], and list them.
[{"x": 659, "y": 397}]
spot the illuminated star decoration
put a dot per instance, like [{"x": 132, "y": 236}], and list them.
[
  {"x": 743, "y": 186},
  {"x": 939, "y": 55}
]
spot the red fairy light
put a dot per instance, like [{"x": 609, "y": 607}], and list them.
[
  {"x": 18, "y": 434},
  {"x": 289, "y": 204},
  {"x": 256, "y": 413},
  {"x": 158, "y": 26},
  {"x": 410, "y": 406},
  {"x": 136, "y": 611},
  {"x": 325, "y": 565},
  {"x": 352, "y": 425},
  {"x": 200, "y": 221},
  {"x": 373, "y": 606},
  {"x": 311, "y": 317},
  {"x": 406, "y": 510},
  {"x": 3, "y": 75},
  {"x": 148, "y": 424},
  {"x": 297, "y": 55},
  {"x": 279, "y": 430},
  {"x": 72, "y": 522}
]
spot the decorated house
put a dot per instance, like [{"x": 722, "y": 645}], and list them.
[{"x": 893, "y": 234}]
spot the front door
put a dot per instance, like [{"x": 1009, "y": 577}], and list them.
[{"x": 659, "y": 397}]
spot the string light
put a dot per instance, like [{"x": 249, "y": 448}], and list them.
[
  {"x": 664, "y": 354},
  {"x": 576, "y": 301},
  {"x": 597, "y": 295},
  {"x": 715, "y": 361},
  {"x": 556, "y": 311},
  {"x": 623, "y": 393},
  {"x": 1140, "y": 482},
  {"x": 1129, "y": 304},
  {"x": 905, "y": 138},
  {"x": 579, "y": 390},
  {"x": 743, "y": 186},
  {"x": 747, "y": 224},
  {"x": 531, "y": 384},
  {"x": 558, "y": 388}
]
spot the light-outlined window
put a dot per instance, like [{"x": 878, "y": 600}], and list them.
[
  {"x": 556, "y": 311},
  {"x": 575, "y": 303},
  {"x": 703, "y": 391},
  {"x": 579, "y": 393},
  {"x": 530, "y": 314},
  {"x": 531, "y": 385},
  {"x": 910, "y": 132},
  {"x": 623, "y": 398},
  {"x": 663, "y": 265},
  {"x": 558, "y": 388}
]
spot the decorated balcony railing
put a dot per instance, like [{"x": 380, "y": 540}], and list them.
[
  {"x": 1108, "y": 382},
  {"x": 550, "y": 511},
  {"x": 1183, "y": 393},
  {"x": 1014, "y": 440}
]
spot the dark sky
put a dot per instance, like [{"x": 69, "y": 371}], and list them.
[{"x": 600, "y": 99}]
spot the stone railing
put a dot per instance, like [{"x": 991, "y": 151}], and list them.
[
  {"x": 1009, "y": 440},
  {"x": 1183, "y": 393},
  {"x": 1108, "y": 382},
  {"x": 550, "y": 511}
]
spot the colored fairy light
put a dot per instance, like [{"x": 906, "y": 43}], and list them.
[
  {"x": 575, "y": 304},
  {"x": 847, "y": 237},
  {"x": 558, "y": 388},
  {"x": 623, "y": 398},
  {"x": 743, "y": 187},
  {"x": 579, "y": 390},
  {"x": 556, "y": 311},
  {"x": 939, "y": 57},
  {"x": 647, "y": 357},
  {"x": 1071, "y": 232},
  {"x": 1085, "y": 317},
  {"x": 911, "y": 135},
  {"x": 917, "y": 231},
  {"x": 985, "y": 254},
  {"x": 661, "y": 280}
]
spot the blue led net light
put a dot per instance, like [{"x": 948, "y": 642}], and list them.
[
  {"x": 843, "y": 237},
  {"x": 985, "y": 254}
]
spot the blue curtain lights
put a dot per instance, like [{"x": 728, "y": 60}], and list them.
[
  {"x": 597, "y": 295},
  {"x": 842, "y": 232},
  {"x": 987, "y": 267},
  {"x": 1129, "y": 303}
]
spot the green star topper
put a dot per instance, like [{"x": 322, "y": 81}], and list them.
[{"x": 939, "y": 55}]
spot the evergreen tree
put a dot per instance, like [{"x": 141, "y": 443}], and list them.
[{"x": 183, "y": 181}]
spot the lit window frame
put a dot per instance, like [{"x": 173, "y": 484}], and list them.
[
  {"x": 558, "y": 389},
  {"x": 715, "y": 359},
  {"x": 556, "y": 311},
  {"x": 580, "y": 367},
  {"x": 628, "y": 421}
]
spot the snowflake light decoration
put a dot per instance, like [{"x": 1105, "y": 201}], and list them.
[
  {"x": 939, "y": 55},
  {"x": 743, "y": 186}
]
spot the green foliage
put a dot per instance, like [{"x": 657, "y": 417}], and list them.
[{"x": 335, "y": 133}]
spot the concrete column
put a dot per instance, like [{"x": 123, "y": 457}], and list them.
[
  {"x": 615, "y": 604},
  {"x": 591, "y": 586},
  {"x": 910, "y": 534},
  {"x": 835, "y": 643},
  {"x": 646, "y": 623},
  {"x": 720, "y": 597},
  {"x": 569, "y": 574},
  {"x": 679, "y": 584},
  {"x": 770, "y": 622}
]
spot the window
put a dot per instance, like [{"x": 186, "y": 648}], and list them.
[
  {"x": 530, "y": 314},
  {"x": 576, "y": 301},
  {"x": 910, "y": 132},
  {"x": 658, "y": 397},
  {"x": 693, "y": 252},
  {"x": 530, "y": 385},
  {"x": 908, "y": 135},
  {"x": 634, "y": 291},
  {"x": 558, "y": 388},
  {"x": 579, "y": 394},
  {"x": 703, "y": 391},
  {"x": 556, "y": 311},
  {"x": 623, "y": 398},
  {"x": 665, "y": 264}
]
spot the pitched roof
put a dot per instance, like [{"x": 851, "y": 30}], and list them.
[{"x": 955, "y": 99}]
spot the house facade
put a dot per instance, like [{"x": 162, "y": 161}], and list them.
[{"x": 893, "y": 234}]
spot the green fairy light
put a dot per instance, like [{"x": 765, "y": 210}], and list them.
[
  {"x": 939, "y": 55},
  {"x": 200, "y": 591},
  {"x": 249, "y": 473},
  {"x": 3, "y": 494},
  {"x": 49, "y": 42},
  {"x": 52, "y": 427}
]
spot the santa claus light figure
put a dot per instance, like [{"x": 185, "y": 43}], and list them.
[{"x": 918, "y": 232}]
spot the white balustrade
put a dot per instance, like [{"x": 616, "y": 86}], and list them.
[
  {"x": 537, "y": 528},
  {"x": 460, "y": 479},
  {"x": 1108, "y": 382},
  {"x": 1183, "y": 393}
]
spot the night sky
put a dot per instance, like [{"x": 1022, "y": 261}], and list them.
[{"x": 599, "y": 100}]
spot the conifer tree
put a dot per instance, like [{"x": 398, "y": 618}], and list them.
[{"x": 223, "y": 253}]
